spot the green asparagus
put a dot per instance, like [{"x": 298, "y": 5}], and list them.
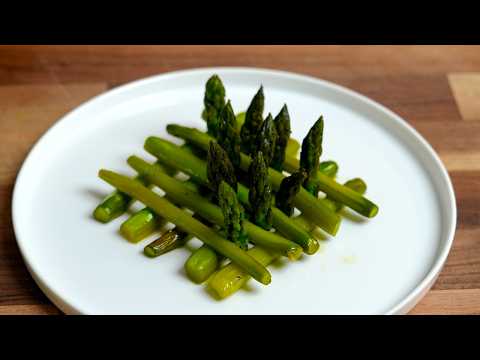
[
  {"x": 201, "y": 264},
  {"x": 219, "y": 168},
  {"x": 214, "y": 101},
  {"x": 253, "y": 122},
  {"x": 168, "y": 241},
  {"x": 231, "y": 278},
  {"x": 260, "y": 194},
  {"x": 196, "y": 168},
  {"x": 289, "y": 188},
  {"x": 233, "y": 216},
  {"x": 304, "y": 201},
  {"x": 228, "y": 136},
  {"x": 310, "y": 155},
  {"x": 282, "y": 125},
  {"x": 185, "y": 221},
  {"x": 327, "y": 185},
  {"x": 266, "y": 141},
  {"x": 140, "y": 225},
  {"x": 181, "y": 195}
]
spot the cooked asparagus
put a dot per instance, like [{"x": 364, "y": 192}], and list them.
[
  {"x": 181, "y": 195},
  {"x": 282, "y": 125},
  {"x": 185, "y": 221}
]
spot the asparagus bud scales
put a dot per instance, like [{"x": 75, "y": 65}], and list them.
[
  {"x": 214, "y": 101},
  {"x": 228, "y": 136},
  {"x": 310, "y": 154},
  {"x": 233, "y": 215},
  {"x": 185, "y": 221},
  {"x": 253, "y": 122},
  {"x": 260, "y": 194},
  {"x": 266, "y": 140},
  {"x": 219, "y": 167},
  {"x": 289, "y": 188},
  {"x": 282, "y": 125}
]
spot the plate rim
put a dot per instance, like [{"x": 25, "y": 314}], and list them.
[{"x": 404, "y": 305}]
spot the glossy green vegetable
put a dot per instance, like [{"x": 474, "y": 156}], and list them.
[
  {"x": 310, "y": 155},
  {"x": 233, "y": 216},
  {"x": 282, "y": 125},
  {"x": 140, "y": 225},
  {"x": 289, "y": 188},
  {"x": 168, "y": 241},
  {"x": 185, "y": 221},
  {"x": 327, "y": 185},
  {"x": 183, "y": 196},
  {"x": 231, "y": 278},
  {"x": 253, "y": 122},
  {"x": 266, "y": 141},
  {"x": 312, "y": 207},
  {"x": 219, "y": 167},
  {"x": 228, "y": 136},
  {"x": 214, "y": 101},
  {"x": 196, "y": 168},
  {"x": 260, "y": 194},
  {"x": 201, "y": 264}
]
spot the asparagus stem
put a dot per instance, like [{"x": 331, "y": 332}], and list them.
[
  {"x": 196, "y": 168},
  {"x": 231, "y": 278},
  {"x": 185, "y": 221},
  {"x": 181, "y": 195},
  {"x": 327, "y": 185},
  {"x": 201, "y": 264},
  {"x": 312, "y": 207},
  {"x": 293, "y": 146},
  {"x": 168, "y": 241},
  {"x": 140, "y": 225}
]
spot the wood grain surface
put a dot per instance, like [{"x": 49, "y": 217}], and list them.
[{"x": 435, "y": 88}]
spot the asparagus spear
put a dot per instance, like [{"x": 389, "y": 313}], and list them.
[
  {"x": 228, "y": 136},
  {"x": 231, "y": 278},
  {"x": 260, "y": 194},
  {"x": 144, "y": 222},
  {"x": 168, "y": 241},
  {"x": 181, "y": 195},
  {"x": 196, "y": 168},
  {"x": 282, "y": 125},
  {"x": 289, "y": 188},
  {"x": 140, "y": 225},
  {"x": 214, "y": 101},
  {"x": 327, "y": 185},
  {"x": 219, "y": 168},
  {"x": 233, "y": 215},
  {"x": 266, "y": 141},
  {"x": 253, "y": 122},
  {"x": 306, "y": 202},
  {"x": 185, "y": 221},
  {"x": 310, "y": 155},
  {"x": 201, "y": 264}
]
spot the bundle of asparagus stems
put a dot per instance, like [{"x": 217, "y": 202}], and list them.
[{"x": 242, "y": 203}]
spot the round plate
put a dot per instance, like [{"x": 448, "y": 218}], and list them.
[{"x": 382, "y": 265}]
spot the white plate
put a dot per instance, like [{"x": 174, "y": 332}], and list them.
[{"x": 378, "y": 266}]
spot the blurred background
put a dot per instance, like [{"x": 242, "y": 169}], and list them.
[{"x": 435, "y": 88}]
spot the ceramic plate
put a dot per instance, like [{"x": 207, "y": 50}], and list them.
[{"x": 379, "y": 266}]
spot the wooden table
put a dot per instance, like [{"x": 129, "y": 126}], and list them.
[{"x": 435, "y": 88}]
